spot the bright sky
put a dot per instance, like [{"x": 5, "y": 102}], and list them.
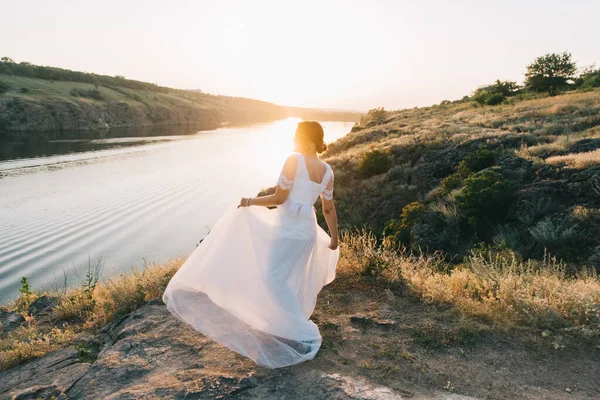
[{"x": 347, "y": 54}]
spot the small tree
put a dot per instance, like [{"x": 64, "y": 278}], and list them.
[
  {"x": 550, "y": 72},
  {"x": 589, "y": 78},
  {"x": 506, "y": 88},
  {"x": 378, "y": 115},
  {"x": 495, "y": 94},
  {"x": 7, "y": 60}
]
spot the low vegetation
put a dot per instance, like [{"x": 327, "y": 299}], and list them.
[
  {"x": 492, "y": 285},
  {"x": 85, "y": 308},
  {"x": 523, "y": 173}
]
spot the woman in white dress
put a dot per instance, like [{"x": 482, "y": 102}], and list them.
[{"x": 252, "y": 283}]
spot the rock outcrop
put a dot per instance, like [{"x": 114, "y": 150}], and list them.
[
  {"x": 149, "y": 354},
  {"x": 10, "y": 320}
]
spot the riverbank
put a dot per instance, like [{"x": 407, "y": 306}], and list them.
[
  {"x": 382, "y": 334},
  {"x": 49, "y": 108}
]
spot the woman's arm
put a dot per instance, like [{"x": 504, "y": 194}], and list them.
[
  {"x": 271, "y": 200},
  {"x": 282, "y": 189},
  {"x": 331, "y": 219}
]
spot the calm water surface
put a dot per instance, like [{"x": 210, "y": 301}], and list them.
[{"x": 126, "y": 199}]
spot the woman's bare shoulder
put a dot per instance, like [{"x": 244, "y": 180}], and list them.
[{"x": 292, "y": 158}]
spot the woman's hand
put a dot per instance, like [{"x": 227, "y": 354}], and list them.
[
  {"x": 244, "y": 202},
  {"x": 334, "y": 244}
]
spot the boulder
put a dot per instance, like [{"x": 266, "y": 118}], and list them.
[
  {"x": 48, "y": 377},
  {"x": 434, "y": 232},
  {"x": 10, "y": 320},
  {"x": 585, "y": 145},
  {"x": 587, "y": 183},
  {"x": 516, "y": 169},
  {"x": 154, "y": 355},
  {"x": 42, "y": 306},
  {"x": 432, "y": 167}
]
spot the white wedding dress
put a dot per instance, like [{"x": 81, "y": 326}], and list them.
[{"x": 252, "y": 283}]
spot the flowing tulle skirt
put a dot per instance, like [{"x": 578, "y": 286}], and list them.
[{"x": 252, "y": 284}]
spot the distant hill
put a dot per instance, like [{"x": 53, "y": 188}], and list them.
[{"x": 46, "y": 99}]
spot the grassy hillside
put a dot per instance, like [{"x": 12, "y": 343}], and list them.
[
  {"x": 31, "y": 104},
  {"x": 45, "y": 99},
  {"x": 522, "y": 177}
]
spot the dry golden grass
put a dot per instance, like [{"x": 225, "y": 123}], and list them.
[
  {"x": 90, "y": 309},
  {"x": 499, "y": 288},
  {"x": 30, "y": 342},
  {"x": 555, "y": 144},
  {"x": 127, "y": 292},
  {"x": 576, "y": 161}
]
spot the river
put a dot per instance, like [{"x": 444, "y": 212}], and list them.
[{"x": 66, "y": 203}]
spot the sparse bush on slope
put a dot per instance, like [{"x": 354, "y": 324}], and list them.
[
  {"x": 375, "y": 162},
  {"x": 485, "y": 199},
  {"x": 4, "y": 87},
  {"x": 90, "y": 93},
  {"x": 398, "y": 230}
]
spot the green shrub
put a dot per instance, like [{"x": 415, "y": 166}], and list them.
[
  {"x": 480, "y": 97},
  {"x": 589, "y": 78},
  {"x": 550, "y": 232},
  {"x": 488, "y": 98},
  {"x": 495, "y": 99},
  {"x": 506, "y": 88},
  {"x": 456, "y": 180},
  {"x": 481, "y": 159},
  {"x": 94, "y": 94},
  {"x": 495, "y": 94},
  {"x": 4, "y": 87},
  {"x": 24, "y": 90},
  {"x": 375, "y": 162},
  {"x": 378, "y": 115},
  {"x": 27, "y": 296},
  {"x": 399, "y": 230},
  {"x": 91, "y": 93},
  {"x": 485, "y": 199}
]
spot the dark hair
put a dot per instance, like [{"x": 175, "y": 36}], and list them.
[{"x": 311, "y": 131}]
